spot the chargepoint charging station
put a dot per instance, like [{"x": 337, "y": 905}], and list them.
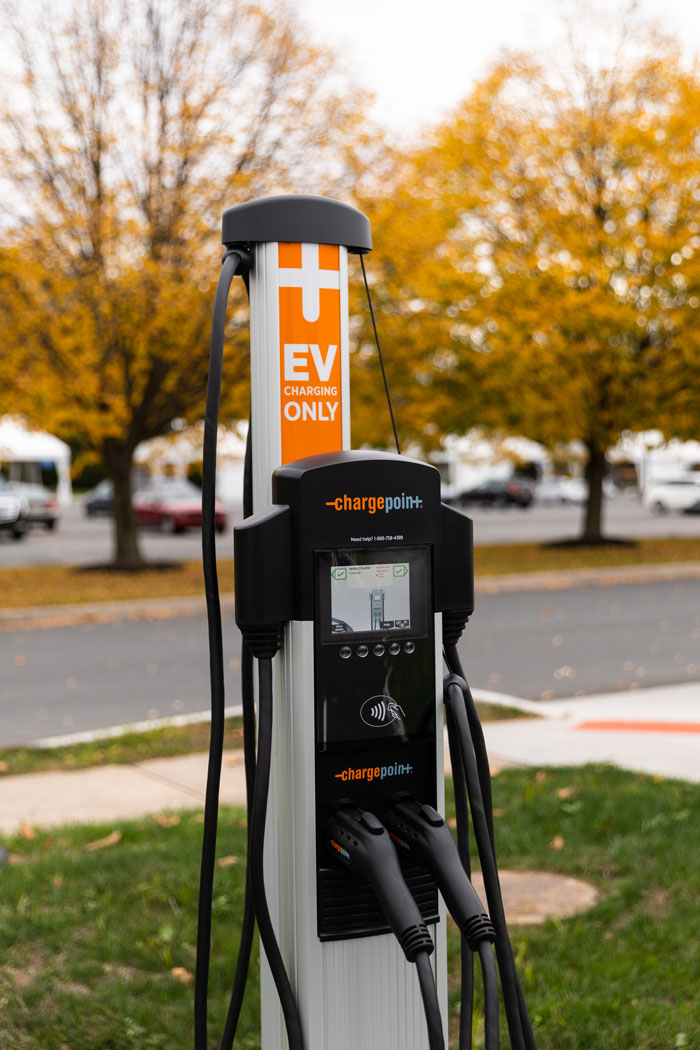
[{"x": 353, "y": 584}]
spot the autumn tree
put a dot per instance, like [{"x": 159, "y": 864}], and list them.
[
  {"x": 547, "y": 271},
  {"x": 125, "y": 130}
]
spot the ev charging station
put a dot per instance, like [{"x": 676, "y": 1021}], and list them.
[{"x": 346, "y": 568}]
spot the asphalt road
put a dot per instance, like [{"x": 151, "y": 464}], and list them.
[
  {"x": 83, "y": 541},
  {"x": 536, "y": 645}
]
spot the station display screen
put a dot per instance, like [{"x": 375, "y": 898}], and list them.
[
  {"x": 367, "y": 591},
  {"x": 370, "y": 597}
]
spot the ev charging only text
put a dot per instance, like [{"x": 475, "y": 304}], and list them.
[{"x": 317, "y": 401}]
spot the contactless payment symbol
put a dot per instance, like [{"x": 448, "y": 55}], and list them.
[{"x": 380, "y": 711}]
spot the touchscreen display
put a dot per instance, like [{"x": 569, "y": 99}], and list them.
[{"x": 374, "y": 597}]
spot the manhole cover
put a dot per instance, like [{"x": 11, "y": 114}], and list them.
[{"x": 531, "y": 897}]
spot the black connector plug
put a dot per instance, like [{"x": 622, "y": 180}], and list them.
[
  {"x": 419, "y": 832},
  {"x": 361, "y": 843}
]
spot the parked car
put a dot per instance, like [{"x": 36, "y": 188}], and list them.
[
  {"x": 12, "y": 511},
  {"x": 173, "y": 507},
  {"x": 561, "y": 490},
  {"x": 493, "y": 493},
  {"x": 99, "y": 500},
  {"x": 681, "y": 495},
  {"x": 41, "y": 505}
]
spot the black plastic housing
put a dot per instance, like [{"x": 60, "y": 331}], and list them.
[
  {"x": 454, "y": 563},
  {"x": 297, "y": 218},
  {"x": 262, "y": 552}
]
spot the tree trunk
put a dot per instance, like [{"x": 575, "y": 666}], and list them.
[
  {"x": 593, "y": 510},
  {"x": 126, "y": 552}
]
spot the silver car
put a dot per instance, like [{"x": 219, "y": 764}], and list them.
[
  {"x": 12, "y": 511},
  {"x": 41, "y": 505}
]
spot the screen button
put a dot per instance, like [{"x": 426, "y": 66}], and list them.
[
  {"x": 362, "y": 650},
  {"x": 378, "y": 649},
  {"x": 394, "y": 648},
  {"x": 409, "y": 647},
  {"x": 345, "y": 652}
]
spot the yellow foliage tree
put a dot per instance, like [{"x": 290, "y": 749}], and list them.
[
  {"x": 545, "y": 275},
  {"x": 125, "y": 133}
]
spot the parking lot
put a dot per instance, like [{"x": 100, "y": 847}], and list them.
[{"x": 79, "y": 540}]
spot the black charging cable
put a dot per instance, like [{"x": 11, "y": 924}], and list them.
[
  {"x": 245, "y": 946},
  {"x": 360, "y": 843},
  {"x": 484, "y": 776},
  {"x": 431, "y": 1006},
  {"x": 255, "y": 859},
  {"x": 519, "y": 1027},
  {"x": 492, "y": 1038},
  {"x": 234, "y": 261},
  {"x": 381, "y": 358},
  {"x": 466, "y": 1006}
]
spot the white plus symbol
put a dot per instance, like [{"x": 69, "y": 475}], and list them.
[{"x": 310, "y": 278}]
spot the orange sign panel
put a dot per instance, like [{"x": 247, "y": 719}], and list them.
[{"x": 310, "y": 374}]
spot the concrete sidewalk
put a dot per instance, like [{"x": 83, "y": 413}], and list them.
[
  {"x": 654, "y": 731},
  {"x": 115, "y": 792}
]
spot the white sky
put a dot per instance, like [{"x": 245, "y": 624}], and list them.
[{"x": 421, "y": 57}]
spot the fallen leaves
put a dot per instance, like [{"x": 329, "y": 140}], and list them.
[
  {"x": 167, "y": 820},
  {"x": 227, "y": 862},
  {"x": 181, "y": 975},
  {"x": 26, "y": 830},
  {"x": 104, "y": 843},
  {"x": 557, "y": 844}
]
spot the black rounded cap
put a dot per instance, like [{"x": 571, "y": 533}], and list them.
[{"x": 297, "y": 218}]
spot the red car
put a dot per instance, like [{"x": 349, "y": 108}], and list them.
[{"x": 174, "y": 507}]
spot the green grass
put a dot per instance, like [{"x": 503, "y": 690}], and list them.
[
  {"x": 622, "y": 976},
  {"x": 131, "y": 747},
  {"x": 90, "y": 939},
  {"x": 64, "y": 584},
  {"x": 155, "y": 743}
]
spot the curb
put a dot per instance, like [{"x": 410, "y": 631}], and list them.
[
  {"x": 106, "y": 612},
  {"x": 560, "y": 580}
]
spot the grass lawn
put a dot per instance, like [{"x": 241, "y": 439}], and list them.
[
  {"x": 60, "y": 585},
  {"x": 131, "y": 747},
  {"x": 156, "y": 743},
  {"x": 98, "y": 943}
]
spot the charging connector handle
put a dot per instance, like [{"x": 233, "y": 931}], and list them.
[
  {"x": 361, "y": 843},
  {"x": 419, "y": 832}
]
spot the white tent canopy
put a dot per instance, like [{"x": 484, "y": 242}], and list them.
[
  {"x": 173, "y": 453},
  {"x": 21, "y": 444}
]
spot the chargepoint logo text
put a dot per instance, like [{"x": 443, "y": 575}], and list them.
[{"x": 372, "y": 504}]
